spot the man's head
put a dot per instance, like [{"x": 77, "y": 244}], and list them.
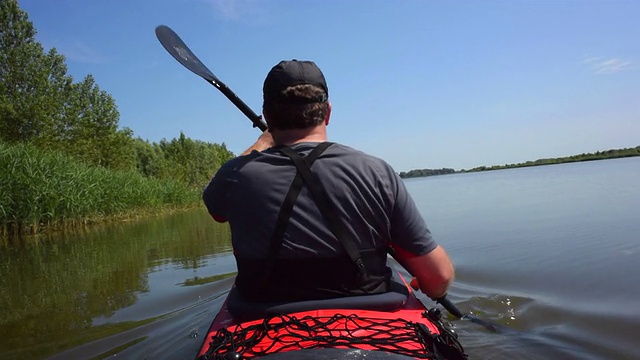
[{"x": 295, "y": 95}]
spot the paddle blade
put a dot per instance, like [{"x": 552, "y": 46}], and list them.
[
  {"x": 181, "y": 52},
  {"x": 489, "y": 325}
]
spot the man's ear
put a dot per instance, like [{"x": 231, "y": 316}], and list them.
[{"x": 326, "y": 120}]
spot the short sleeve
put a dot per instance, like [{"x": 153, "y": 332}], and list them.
[
  {"x": 216, "y": 194},
  {"x": 409, "y": 230}
]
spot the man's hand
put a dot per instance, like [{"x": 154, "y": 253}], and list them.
[{"x": 264, "y": 142}]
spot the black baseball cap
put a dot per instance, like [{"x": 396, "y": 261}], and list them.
[{"x": 290, "y": 73}]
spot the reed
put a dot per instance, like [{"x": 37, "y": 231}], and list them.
[{"x": 44, "y": 189}]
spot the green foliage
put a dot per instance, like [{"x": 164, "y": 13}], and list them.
[
  {"x": 191, "y": 162},
  {"x": 40, "y": 104},
  {"x": 91, "y": 128},
  {"x": 49, "y": 189},
  {"x": 104, "y": 170},
  {"x": 32, "y": 82}
]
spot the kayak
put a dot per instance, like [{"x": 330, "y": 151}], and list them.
[{"x": 393, "y": 325}]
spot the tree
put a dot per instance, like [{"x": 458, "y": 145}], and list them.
[
  {"x": 33, "y": 84},
  {"x": 149, "y": 158},
  {"x": 40, "y": 104},
  {"x": 91, "y": 120},
  {"x": 191, "y": 162}
]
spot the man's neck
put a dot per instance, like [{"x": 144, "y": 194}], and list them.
[{"x": 295, "y": 136}]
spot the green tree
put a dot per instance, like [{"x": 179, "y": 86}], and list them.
[
  {"x": 91, "y": 123},
  {"x": 191, "y": 162},
  {"x": 33, "y": 84},
  {"x": 149, "y": 158},
  {"x": 40, "y": 104}
]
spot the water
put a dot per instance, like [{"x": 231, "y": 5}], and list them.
[{"x": 550, "y": 252}]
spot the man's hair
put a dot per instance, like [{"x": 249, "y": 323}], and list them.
[{"x": 297, "y": 115}]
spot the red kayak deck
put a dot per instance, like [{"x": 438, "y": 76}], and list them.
[{"x": 405, "y": 331}]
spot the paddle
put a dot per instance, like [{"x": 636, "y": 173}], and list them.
[
  {"x": 453, "y": 310},
  {"x": 181, "y": 52}
]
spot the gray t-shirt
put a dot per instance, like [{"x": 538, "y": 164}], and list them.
[{"x": 368, "y": 195}]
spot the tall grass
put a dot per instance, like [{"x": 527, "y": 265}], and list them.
[{"x": 41, "y": 189}]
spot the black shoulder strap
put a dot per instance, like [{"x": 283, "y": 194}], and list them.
[
  {"x": 322, "y": 200},
  {"x": 287, "y": 205}
]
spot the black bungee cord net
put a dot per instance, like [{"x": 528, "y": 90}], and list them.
[{"x": 284, "y": 333}]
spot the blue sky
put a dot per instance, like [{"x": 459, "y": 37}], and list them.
[{"x": 421, "y": 84}]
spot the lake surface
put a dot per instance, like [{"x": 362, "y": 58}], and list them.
[{"x": 551, "y": 252}]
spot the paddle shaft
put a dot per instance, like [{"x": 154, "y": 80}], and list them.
[
  {"x": 451, "y": 308},
  {"x": 246, "y": 110},
  {"x": 181, "y": 52}
]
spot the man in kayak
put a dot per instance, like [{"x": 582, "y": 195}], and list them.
[{"x": 314, "y": 220}]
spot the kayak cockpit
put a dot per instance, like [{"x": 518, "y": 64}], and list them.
[{"x": 245, "y": 310}]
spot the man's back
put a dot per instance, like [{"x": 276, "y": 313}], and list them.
[{"x": 368, "y": 197}]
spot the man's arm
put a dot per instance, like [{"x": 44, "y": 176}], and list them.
[
  {"x": 433, "y": 272},
  {"x": 213, "y": 194},
  {"x": 415, "y": 248}
]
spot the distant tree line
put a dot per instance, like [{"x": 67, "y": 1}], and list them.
[
  {"x": 426, "y": 172},
  {"x": 598, "y": 155}
]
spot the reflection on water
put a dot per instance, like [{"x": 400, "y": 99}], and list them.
[{"x": 56, "y": 291}]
